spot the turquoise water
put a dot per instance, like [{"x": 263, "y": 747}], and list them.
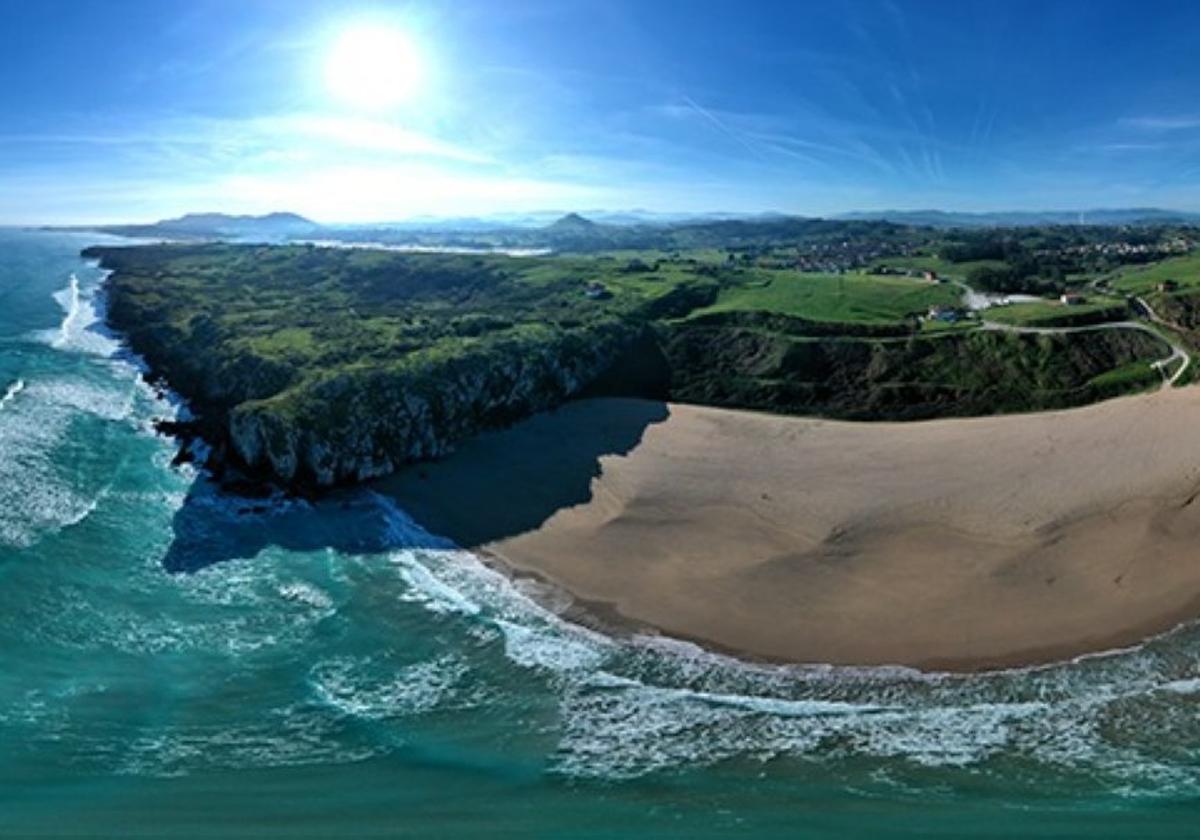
[{"x": 333, "y": 670}]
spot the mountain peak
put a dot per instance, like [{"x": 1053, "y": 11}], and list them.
[
  {"x": 573, "y": 222},
  {"x": 208, "y": 224}
]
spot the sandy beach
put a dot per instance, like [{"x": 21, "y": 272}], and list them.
[{"x": 958, "y": 544}]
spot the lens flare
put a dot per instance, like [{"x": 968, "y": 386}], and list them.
[{"x": 373, "y": 68}]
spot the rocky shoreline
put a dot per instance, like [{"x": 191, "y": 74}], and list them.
[{"x": 383, "y": 422}]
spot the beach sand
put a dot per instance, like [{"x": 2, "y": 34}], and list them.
[{"x": 958, "y": 544}]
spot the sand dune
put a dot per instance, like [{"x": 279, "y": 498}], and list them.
[{"x": 955, "y": 544}]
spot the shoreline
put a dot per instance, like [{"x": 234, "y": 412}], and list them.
[
  {"x": 938, "y": 544},
  {"x": 605, "y": 618},
  {"x": 946, "y": 545}
]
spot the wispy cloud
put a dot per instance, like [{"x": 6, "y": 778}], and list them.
[
  {"x": 1121, "y": 147},
  {"x": 277, "y": 137},
  {"x": 1178, "y": 122},
  {"x": 710, "y": 117},
  {"x": 900, "y": 147},
  {"x": 363, "y": 135}
]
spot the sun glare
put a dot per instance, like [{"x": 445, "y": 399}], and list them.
[{"x": 373, "y": 67}]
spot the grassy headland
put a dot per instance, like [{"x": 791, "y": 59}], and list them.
[{"x": 315, "y": 366}]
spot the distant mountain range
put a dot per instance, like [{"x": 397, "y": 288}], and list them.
[
  {"x": 1023, "y": 218},
  {"x": 280, "y": 224},
  {"x": 269, "y": 227},
  {"x": 923, "y": 218},
  {"x": 545, "y": 218},
  {"x": 628, "y": 229}
]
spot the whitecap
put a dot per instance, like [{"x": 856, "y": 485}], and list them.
[
  {"x": 82, "y": 328},
  {"x": 41, "y": 493},
  {"x": 1186, "y": 686},
  {"x": 428, "y": 589},
  {"x": 537, "y": 647},
  {"x": 34, "y": 497},
  {"x": 367, "y": 688},
  {"x": 307, "y": 594},
  {"x": 68, "y": 299},
  {"x": 10, "y": 393}
]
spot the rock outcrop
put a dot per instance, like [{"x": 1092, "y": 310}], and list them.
[{"x": 355, "y": 426}]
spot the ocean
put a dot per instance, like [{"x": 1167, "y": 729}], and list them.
[{"x": 178, "y": 663}]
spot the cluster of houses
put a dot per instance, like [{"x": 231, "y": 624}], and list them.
[
  {"x": 945, "y": 314},
  {"x": 827, "y": 257},
  {"x": 899, "y": 271},
  {"x": 1125, "y": 250},
  {"x": 952, "y": 314},
  {"x": 596, "y": 291}
]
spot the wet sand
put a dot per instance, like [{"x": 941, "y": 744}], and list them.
[{"x": 958, "y": 544}]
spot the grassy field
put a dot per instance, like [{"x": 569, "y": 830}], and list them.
[
  {"x": 835, "y": 298},
  {"x": 1051, "y": 313},
  {"x": 944, "y": 268},
  {"x": 632, "y": 280},
  {"x": 712, "y": 256},
  {"x": 1133, "y": 376},
  {"x": 306, "y": 313},
  {"x": 1144, "y": 279}
]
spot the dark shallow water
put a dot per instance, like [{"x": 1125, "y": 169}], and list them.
[{"x": 335, "y": 670}]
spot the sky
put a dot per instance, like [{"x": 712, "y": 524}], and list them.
[{"x": 133, "y": 110}]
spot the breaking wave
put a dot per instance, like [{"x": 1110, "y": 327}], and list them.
[
  {"x": 41, "y": 492},
  {"x": 44, "y": 435},
  {"x": 10, "y": 393},
  {"x": 643, "y": 704},
  {"x": 68, "y": 299},
  {"x": 82, "y": 327}
]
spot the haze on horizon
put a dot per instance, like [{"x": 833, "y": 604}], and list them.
[{"x": 134, "y": 110}]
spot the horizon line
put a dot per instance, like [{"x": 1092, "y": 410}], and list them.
[{"x": 641, "y": 211}]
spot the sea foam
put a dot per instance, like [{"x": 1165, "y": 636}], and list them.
[
  {"x": 648, "y": 704},
  {"x": 41, "y": 492},
  {"x": 10, "y": 393},
  {"x": 82, "y": 328}
]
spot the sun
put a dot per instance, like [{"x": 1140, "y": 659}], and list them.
[{"x": 373, "y": 67}]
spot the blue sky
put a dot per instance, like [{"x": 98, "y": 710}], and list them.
[{"x": 137, "y": 109}]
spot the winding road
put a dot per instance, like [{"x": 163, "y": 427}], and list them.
[
  {"x": 971, "y": 298},
  {"x": 1162, "y": 365}
]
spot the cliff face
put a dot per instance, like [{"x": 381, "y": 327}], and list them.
[
  {"x": 334, "y": 371},
  {"x": 355, "y": 426},
  {"x": 961, "y": 374},
  {"x": 311, "y": 367}
]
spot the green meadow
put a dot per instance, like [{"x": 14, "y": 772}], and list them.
[
  {"x": 835, "y": 298},
  {"x": 1145, "y": 279},
  {"x": 1052, "y": 313}
]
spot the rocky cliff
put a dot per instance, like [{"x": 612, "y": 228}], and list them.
[
  {"x": 363, "y": 424},
  {"x": 311, "y": 368}
]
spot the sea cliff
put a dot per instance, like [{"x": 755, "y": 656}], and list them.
[
  {"x": 309, "y": 367},
  {"x": 363, "y": 424},
  {"x": 336, "y": 406}
]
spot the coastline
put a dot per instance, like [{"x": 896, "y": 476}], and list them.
[
  {"x": 952, "y": 544},
  {"x": 957, "y": 545}
]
